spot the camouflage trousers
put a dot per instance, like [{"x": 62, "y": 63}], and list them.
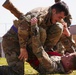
[{"x": 12, "y": 50}]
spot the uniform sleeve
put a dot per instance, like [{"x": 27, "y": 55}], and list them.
[
  {"x": 68, "y": 43},
  {"x": 23, "y": 32},
  {"x": 38, "y": 49}
]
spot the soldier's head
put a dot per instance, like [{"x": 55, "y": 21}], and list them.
[
  {"x": 67, "y": 19},
  {"x": 69, "y": 61},
  {"x": 57, "y": 1},
  {"x": 74, "y": 61},
  {"x": 59, "y": 11}
]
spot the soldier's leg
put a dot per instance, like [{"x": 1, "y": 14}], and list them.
[{"x": 12, "y": 52}]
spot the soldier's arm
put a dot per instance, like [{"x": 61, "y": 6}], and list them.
[
  {"x": 68, "y": 43},
  {"x": 67, "y": 39},
  {"x": 23, "y": 33},
  {"x": 38, "y": 49}
]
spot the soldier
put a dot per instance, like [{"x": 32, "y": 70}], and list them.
[
  {"x": 17, "y": 43},
  {"x": 59, "y": 47},
  {"x": 42, "y": 56},
  {"x": 51, "y": 29},
  {"x": 53, "y": 64},
  {"x": 67, "y": 19}
]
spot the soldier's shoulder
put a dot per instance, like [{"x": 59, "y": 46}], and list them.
[{"x": 39, "y": 9}]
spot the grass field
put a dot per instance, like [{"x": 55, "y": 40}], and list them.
[{"x": 29, "y": 70}]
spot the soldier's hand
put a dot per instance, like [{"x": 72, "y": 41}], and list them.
[
  {"x": 34, "y": 21},
  {"x": 66, "y": 32},
  {"x": 23, "y": 54},
  {"x": 65, "y": 29}
]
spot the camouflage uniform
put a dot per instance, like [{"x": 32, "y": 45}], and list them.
[
  {"x": 19, "y": 36},
  {"x": 53, "y": 34},
  {"x": 53, "y": 65},
  {"x": 48, "y": 37},
  {"x": 59, "y": 46},
  {"x": 11, "y": 49}
]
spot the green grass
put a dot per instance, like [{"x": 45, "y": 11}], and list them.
[
  {"x": 3, "y": 61},
  {"x": 28, "y": 69}
]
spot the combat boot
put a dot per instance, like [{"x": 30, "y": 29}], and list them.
[{"x": 9, "y": 6}]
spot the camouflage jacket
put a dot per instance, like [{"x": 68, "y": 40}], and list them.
[
  {"x": 24, "y": 29},
  {"x": 24, "y": 33},
  {"x": 44, "y": 22},
  {"x": 53, "y": 63}
]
